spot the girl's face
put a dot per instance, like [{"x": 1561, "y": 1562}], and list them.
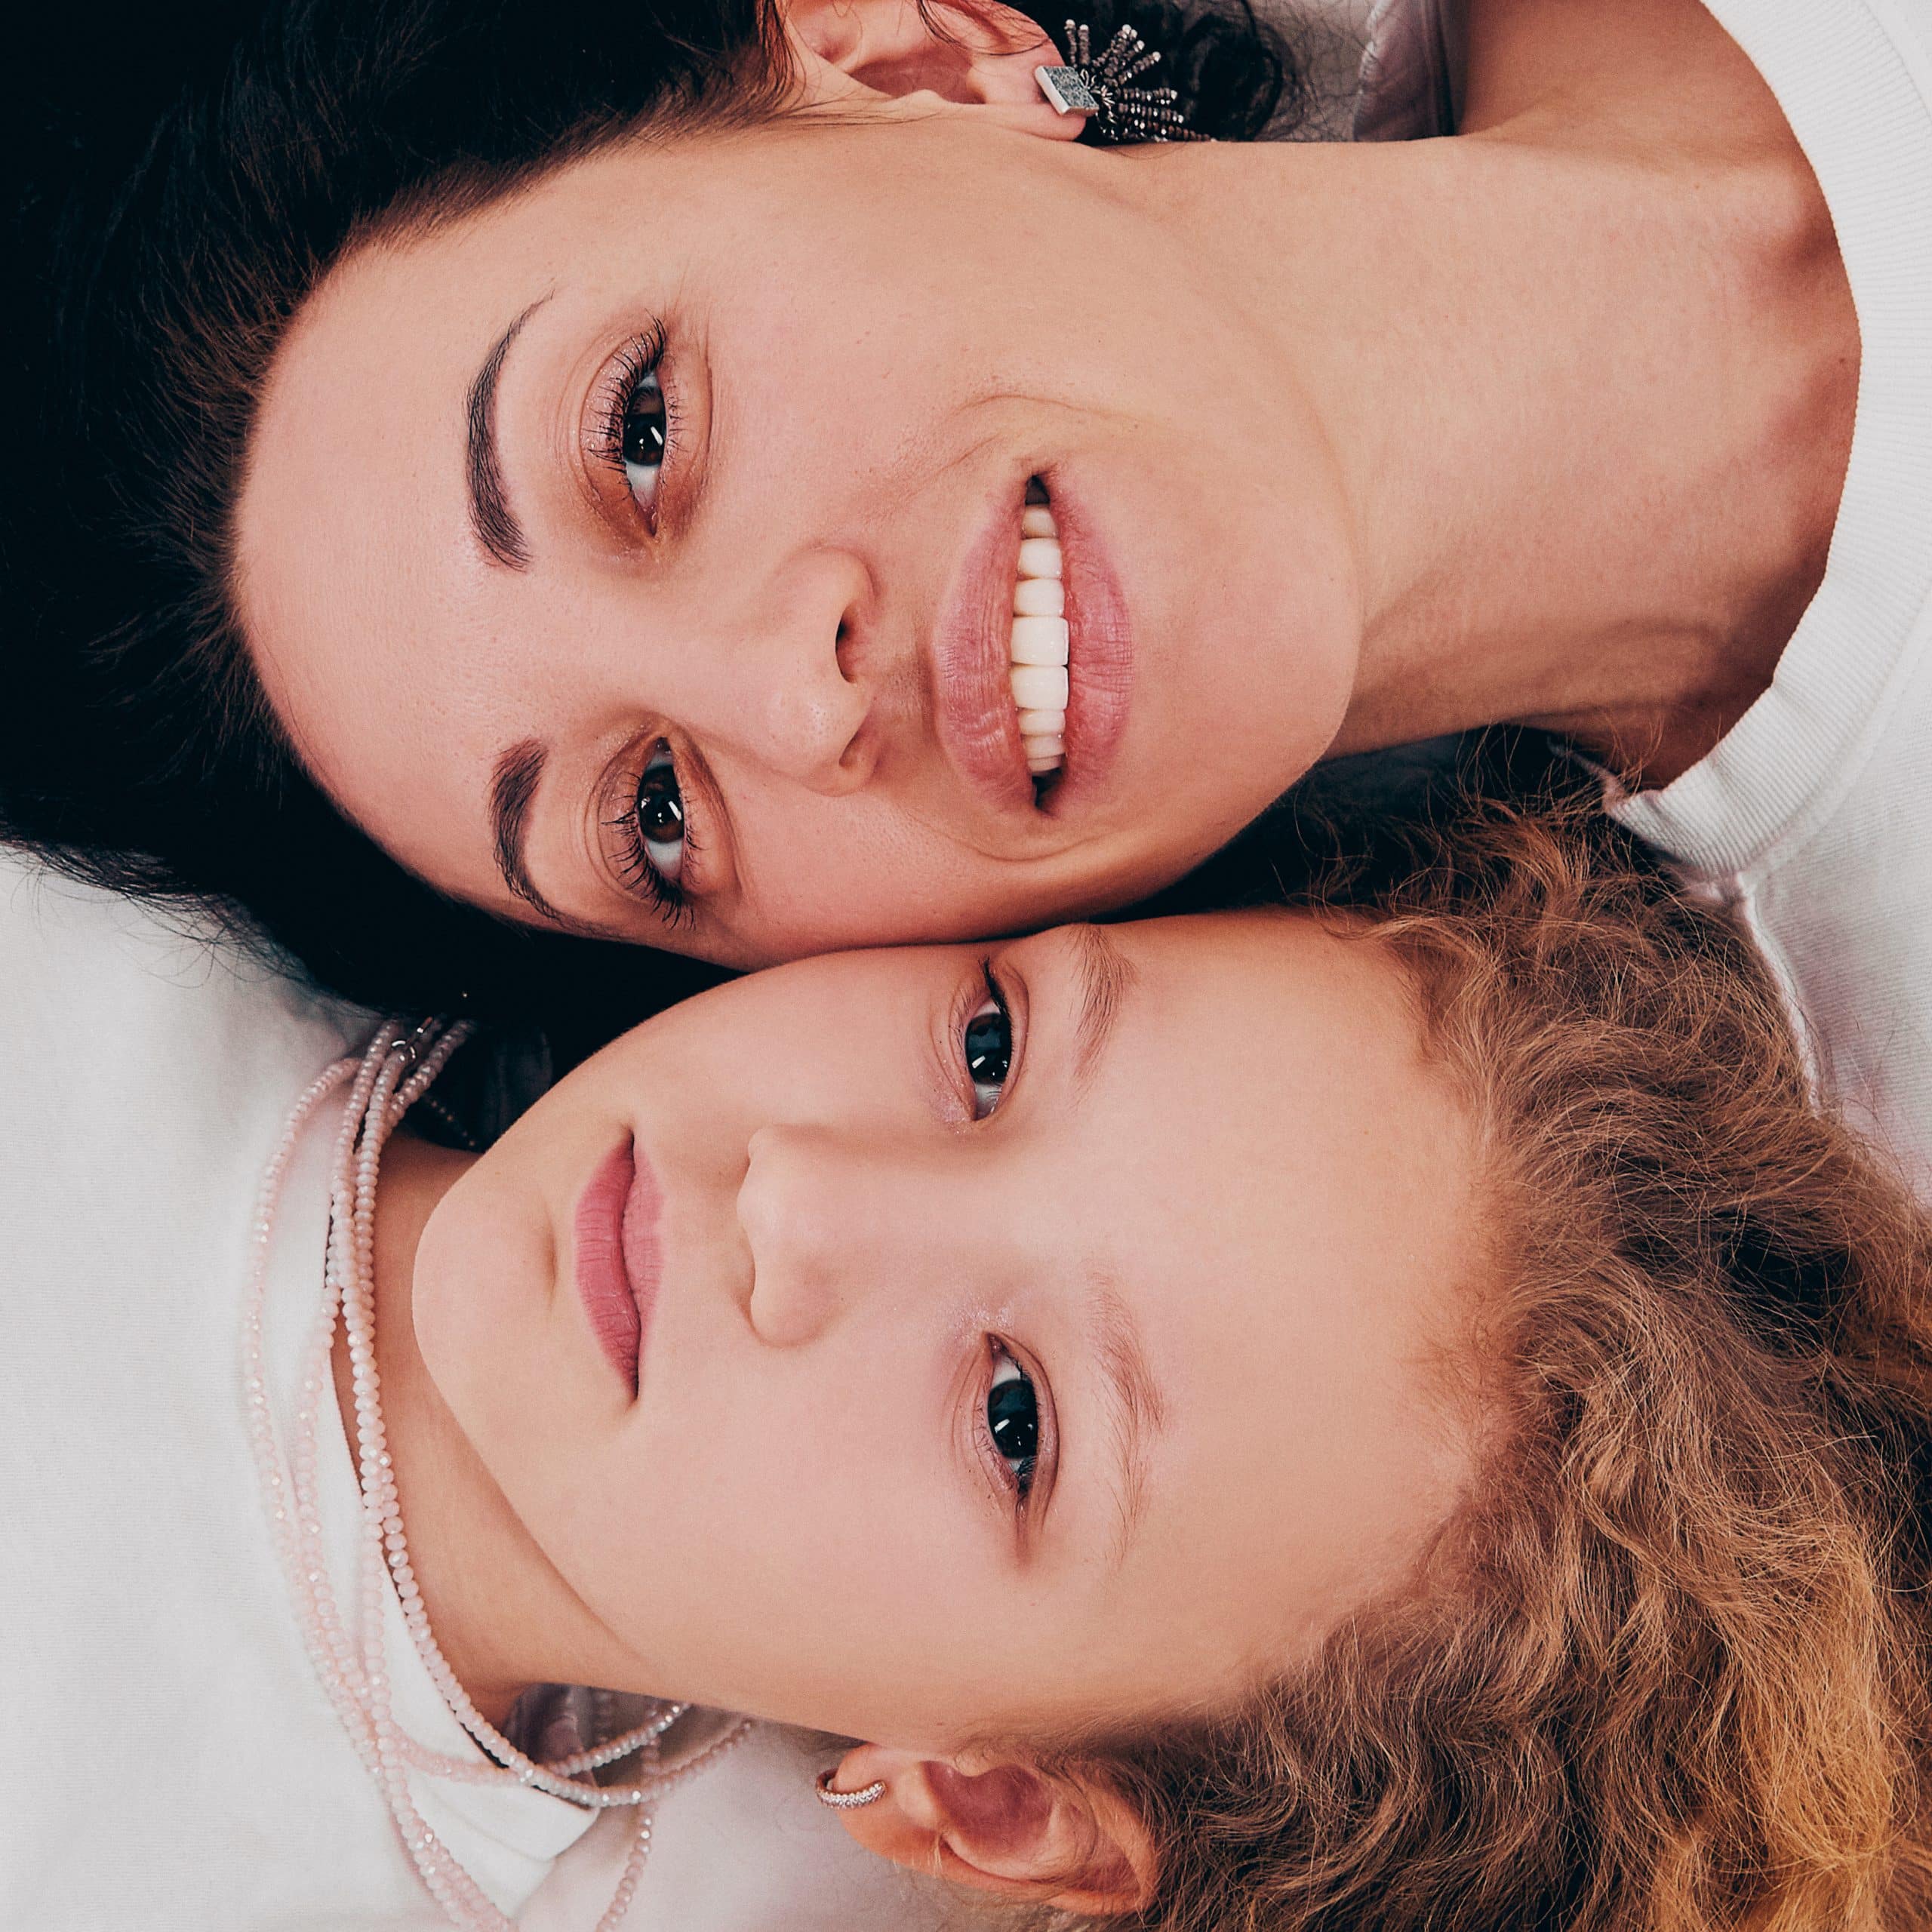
[
  {"x": 1027, "y": 1338},
  {"x": 637, "y": 555}
]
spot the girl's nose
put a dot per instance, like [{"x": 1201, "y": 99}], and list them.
[{"x": 829, "y": 1221}]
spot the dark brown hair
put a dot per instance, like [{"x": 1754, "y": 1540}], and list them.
[{"x": 220, "y": 164}]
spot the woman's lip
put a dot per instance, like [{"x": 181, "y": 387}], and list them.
[
  {"x": 617, "y": 1256},
  {"x": 1100, "y": 656},
  {"x": 973, "y": 708}
]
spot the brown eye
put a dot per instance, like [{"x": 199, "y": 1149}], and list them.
[
  {"x": 1013, "y": 1420},
  {"x": 988, "y": 1048},
  {"x": 646, "y": 436},
  {"x": 660, "y": 815}
]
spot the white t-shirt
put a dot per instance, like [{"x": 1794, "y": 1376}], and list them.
[
  {"x": 1813, "y": 816},
  {"x": 172, "y": 1762}
]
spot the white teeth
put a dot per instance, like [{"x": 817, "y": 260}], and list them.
[
  {"x": 1039, "y": 687},
  {"x": 1039, "y": 556},
  {"x": 1038, "y": 651},
  {"x": 1039, "y": 641},
  {"x": 1038, "y": 597}
]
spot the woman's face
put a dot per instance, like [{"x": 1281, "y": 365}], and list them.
[
  {"x": 994, "y": 1373},
  {"x": 747, "y": 695}
]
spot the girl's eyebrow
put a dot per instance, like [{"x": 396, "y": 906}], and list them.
[
  {"x": 1136, "y": 1414},
  {"x": 1106, "y": 977},
  {"x": 490, "y": 516},
  {"x": 1130, "y": 1396}
]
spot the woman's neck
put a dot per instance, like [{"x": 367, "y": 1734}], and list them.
[{"x": 1588, "y": 372}]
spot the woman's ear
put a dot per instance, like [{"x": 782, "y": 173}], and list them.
[
  {"x": 1002, "y": 1828},
  {"x": 983, "y": 56}
]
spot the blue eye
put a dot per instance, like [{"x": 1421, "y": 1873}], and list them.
[
  {"x": 659, "y": 812},
  {"x": 988, "y": 1050},
  {"x": 645, "y": 435},
  {"x": 1013, "y": 1420}
]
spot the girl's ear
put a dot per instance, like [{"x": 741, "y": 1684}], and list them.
[
  {"x": 1002, "y": 1828},
  {"x": 982, "y": 56}
]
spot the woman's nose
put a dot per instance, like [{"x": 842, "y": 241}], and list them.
[
  {"x": 826, "y": 1220},
  {"x": 802, "y": 701}
]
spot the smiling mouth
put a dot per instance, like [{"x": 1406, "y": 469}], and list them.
[
  {"x": 1031, "y": 658},
  {"x": 1037, "y": 653}
]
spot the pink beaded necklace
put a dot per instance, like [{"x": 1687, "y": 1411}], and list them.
[{"x": 387, "y": 1080}]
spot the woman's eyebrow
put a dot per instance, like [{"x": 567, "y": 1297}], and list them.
[
  {"x": 513, "y": 783},
  {"x": 514, "y": 778},
  {"x": 490, "y": 516}
]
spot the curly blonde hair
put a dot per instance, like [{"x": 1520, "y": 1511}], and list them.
[{"x": 1667, "y": 1670}]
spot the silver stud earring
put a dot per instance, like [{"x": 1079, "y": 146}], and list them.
[
  {"x": 847, "y": 1801},
  {"x": 1105, "y": 88}
]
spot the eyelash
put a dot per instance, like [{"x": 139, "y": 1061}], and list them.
[
  {"x": 668, "y": 897},
  {"x": 994, "y": 991},
  {"x": 643, "y": 356}
]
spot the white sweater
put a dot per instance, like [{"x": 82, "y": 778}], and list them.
[{"x": 1813, "y": 816}]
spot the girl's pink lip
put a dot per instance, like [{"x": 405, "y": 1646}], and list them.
[{"x": 617, "y": 1256}]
